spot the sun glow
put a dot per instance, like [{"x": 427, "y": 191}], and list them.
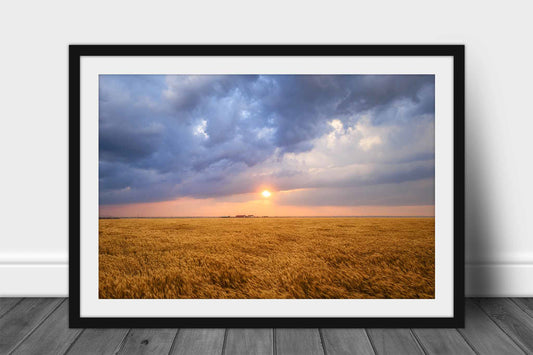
[{"x": 266, "y": 193}]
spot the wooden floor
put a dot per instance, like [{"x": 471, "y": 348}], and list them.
[{"x": 40, "y": 326}]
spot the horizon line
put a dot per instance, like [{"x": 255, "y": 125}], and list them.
[{"x": 265, "y": 216}]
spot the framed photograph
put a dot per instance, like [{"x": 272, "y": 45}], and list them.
[{"x": 266, "y": 186}]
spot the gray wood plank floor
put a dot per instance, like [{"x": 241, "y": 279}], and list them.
[{"x": 40, "y": 326}]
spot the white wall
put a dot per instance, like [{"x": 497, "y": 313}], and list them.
[{"x": 34, "y": 117}]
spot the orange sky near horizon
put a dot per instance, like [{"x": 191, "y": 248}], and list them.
[{"x": 256, "y": 205}]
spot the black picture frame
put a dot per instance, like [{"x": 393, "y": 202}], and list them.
[{"x": 76, "y": 52}]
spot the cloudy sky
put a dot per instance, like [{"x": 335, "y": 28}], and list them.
[{"x": 207, "y": 145}]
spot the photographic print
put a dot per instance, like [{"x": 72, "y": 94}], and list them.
[{"x": 267, "y": 185}]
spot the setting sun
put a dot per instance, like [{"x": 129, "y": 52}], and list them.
[{"x": 266, "y": 193}]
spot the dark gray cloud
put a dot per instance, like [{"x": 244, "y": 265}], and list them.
[{"x": 164, "y": 137}]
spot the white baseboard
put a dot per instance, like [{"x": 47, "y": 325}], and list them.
[
  {"x": 51, "y": 280},
  {"x": 34, "y": 280},
  {"x": 499, "y": 280}
]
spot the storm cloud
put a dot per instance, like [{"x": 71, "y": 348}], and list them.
[{"x": 351, "y": 139}]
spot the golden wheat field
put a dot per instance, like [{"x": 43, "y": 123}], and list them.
[{"x": 267, "y": 258}]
